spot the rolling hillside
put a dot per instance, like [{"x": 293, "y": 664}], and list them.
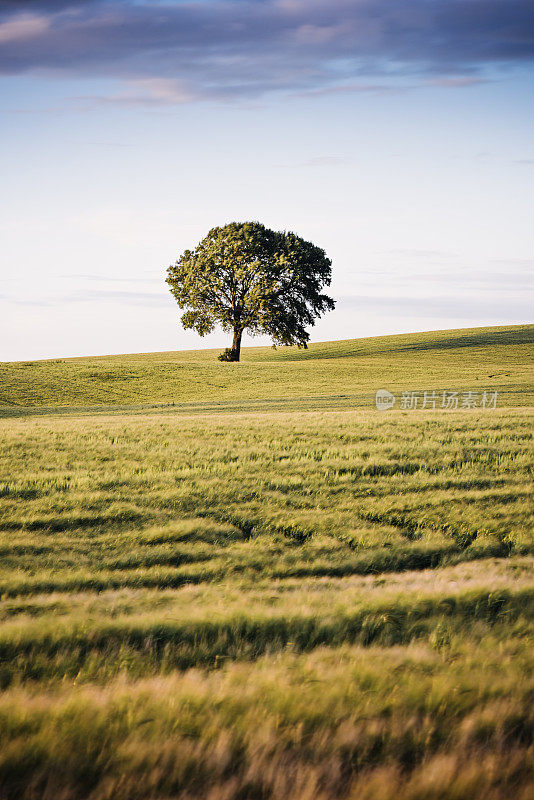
[{"x": 344, "y": 374}]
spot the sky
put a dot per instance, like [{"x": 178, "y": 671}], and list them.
[{"x": 398, "y": 135}]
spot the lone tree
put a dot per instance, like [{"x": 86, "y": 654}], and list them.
[{"x": 247, "y": 277}]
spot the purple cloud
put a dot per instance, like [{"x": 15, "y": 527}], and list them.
[{"x": 172, "y": 52}]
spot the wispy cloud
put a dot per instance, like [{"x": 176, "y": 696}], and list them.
[
  {"x": 23, "y": 28},
  {"x": 456, "y": 81},
  {"x": 118, "y": 296},
  {"x": 354, "y": 88},
  {"x": 93, "y": 296},
  {"x": 318, "y": 161},
  {"x": 147, "y": 92},
  {"x": 419, "y": 253},
  {"x": 171, "y": 52},
  {"x": 94, "y": 277},
  {"x": 491, "y": 307},
  {"x": 24, "y": 301}
]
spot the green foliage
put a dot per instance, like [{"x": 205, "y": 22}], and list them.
[
  {"x": 246, "y": 277},
  {"x": 228, "y": 354}
]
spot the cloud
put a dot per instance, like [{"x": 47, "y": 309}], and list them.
[
  {"x": 353, "y": 88},
  {"x": 4, "y": 298},
  {"x": 119, "y": 297},
  {"x": 325, "y": 161},
  {"x": 23, "y": 28},
  {"x": 318, "y": 161},
  {"x": 93, "y": 296},
  {"x": 491, "y": 308},
  {"x": 518, "y": 262},
  {"x": 146, "y": 92},
  {"x": 419, "y": 253},
  {"x": 456, "y": 81},
  {"x": 108, "y": 278},
  {"x": 171, "y": 52}
]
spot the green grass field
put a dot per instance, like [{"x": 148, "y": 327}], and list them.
[
  {"x": 328, "y": 375},
  {"x": 243, "y": 582}
]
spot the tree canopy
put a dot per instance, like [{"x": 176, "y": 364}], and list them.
[{"x": 245, "y": 276}]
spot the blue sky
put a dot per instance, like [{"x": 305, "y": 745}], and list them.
[{"x": 396, "y": 135}]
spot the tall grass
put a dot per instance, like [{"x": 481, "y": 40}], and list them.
[
  {"x": 146, "y": 632},
  {"x": 440, "y": 720},
  {"x": 160, "y": 501},
  {"x": 268, "y": 605}
]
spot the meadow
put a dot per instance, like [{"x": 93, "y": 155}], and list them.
[
  {"x": 327, "y": 375},
  {"x": 243, "y": 581}
]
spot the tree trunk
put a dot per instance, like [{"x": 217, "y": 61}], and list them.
[{"x": 236, "y": 344}]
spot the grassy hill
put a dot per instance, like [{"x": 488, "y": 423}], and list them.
[
  {"x": 344, "y": 374},
  {"x": 304, "y": 598}
]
